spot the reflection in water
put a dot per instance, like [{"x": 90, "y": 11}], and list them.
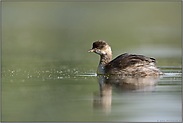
[
  {"x": 104, "y": 98},
  {"x": 122, "y": 84}
]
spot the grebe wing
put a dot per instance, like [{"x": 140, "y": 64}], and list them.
[{"x": 126, "y": 60}]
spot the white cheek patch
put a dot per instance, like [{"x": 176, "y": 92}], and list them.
[
  {"x": 103, "y": 52},
  {"x": 98, "y": 51}
]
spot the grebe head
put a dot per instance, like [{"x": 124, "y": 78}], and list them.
[{"x": 101, "y": 47}]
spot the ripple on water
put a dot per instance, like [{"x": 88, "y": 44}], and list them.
[
  {"x": 172, "y": 75},
  {"x": 68, "y": 73}
]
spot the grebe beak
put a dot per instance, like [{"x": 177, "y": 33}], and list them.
[{"x": 92, "y": 50}]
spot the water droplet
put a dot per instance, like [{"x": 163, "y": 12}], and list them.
[{"x": 59, "y": 77}]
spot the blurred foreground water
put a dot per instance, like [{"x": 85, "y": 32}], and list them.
[{"x": 78, "y": 94}]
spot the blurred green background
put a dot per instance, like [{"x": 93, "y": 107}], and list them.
[{"x": 64, "y": 31}]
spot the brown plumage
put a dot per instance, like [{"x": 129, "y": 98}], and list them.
[{"x": 126, "y": 64}]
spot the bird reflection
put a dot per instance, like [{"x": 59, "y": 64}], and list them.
[{"x": 103, "y": 99}]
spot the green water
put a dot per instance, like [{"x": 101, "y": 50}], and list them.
[
  {"x": 73, "y": 94},
  {"x": 48, "y": 75}
]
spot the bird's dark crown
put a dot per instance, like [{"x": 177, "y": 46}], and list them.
[{"x": 99, "y": 44}]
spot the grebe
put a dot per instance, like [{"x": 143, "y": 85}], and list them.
[{"x": 125, "y": 64}]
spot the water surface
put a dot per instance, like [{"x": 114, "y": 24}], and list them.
[{"x": 77, "y": 94}]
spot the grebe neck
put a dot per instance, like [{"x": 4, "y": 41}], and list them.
[{"x": 104, "y": 60}]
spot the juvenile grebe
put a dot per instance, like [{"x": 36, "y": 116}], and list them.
[{"x": 125, "y": 64}]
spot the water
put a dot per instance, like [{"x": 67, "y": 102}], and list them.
[
  {"x": 48, "y": 75},
  {"x": 77, "y": 94}
]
